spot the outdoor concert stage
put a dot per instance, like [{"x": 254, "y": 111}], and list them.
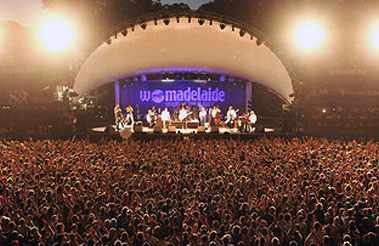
[
  {"x": 149, "y": 133},
  {"x": 169, "y": 60}
]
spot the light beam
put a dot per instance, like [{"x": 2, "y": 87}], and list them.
[
  {"x": 309, "y": 35},
  {"x": 56, "y": 33}
]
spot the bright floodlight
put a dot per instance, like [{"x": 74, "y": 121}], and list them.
[
  {"x": 375, "y": 37},
  {"x": 56, "y": 33},
  {"x": 309, "y": 35}
]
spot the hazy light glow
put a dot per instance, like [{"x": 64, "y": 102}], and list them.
[
  {"x": 309, "y": 35},
  {"x": 56, "y": 33},
  {"x": 375, "y": 37}
]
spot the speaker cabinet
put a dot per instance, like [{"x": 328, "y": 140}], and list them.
[
  {"x": 201, "y": 129},
  {"x": 138, "y": 128},
  {"x": 172, "y": 129},
  {"x": 214, "y": 129}
]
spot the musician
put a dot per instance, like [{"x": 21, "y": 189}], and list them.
[
  {"x": 215, "y": 116},
  {"x": 183, "y": 115},
  {"x": 231, "y": 116},
  {"x": 243, "y": 123},
  {"x": 129, "y": 117},
  {"x": 203, "y": 116},
  {"x": 252, "y": 120},
  {"x": 154, "y": 110},
  {"x": 119, "y": 119},
  {"x": 165, "y": 116},
  {"x": 151, "y": 118}
]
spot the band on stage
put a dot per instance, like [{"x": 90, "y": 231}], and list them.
[{"x": 184, "y": 114}]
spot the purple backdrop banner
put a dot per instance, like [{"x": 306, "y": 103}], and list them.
[{"x": 144, "y": 95}]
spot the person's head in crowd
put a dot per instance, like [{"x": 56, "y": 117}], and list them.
[{"x": 235, "y": 192}]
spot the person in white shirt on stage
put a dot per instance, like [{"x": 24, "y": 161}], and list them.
[
  {"x": 183, "y": 115},
  {"x": 165, "y": 116},
  {"x": 119, "y": 119},
  {"x": 149, "y": 117},
  {"x": 252, "y": 120},
  {"x": 231, "y": 116},
  {"x": 202, "y": 116},
  {"x": 129, "y": 117}
]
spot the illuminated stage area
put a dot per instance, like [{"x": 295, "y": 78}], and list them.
[
  {"x": 172, "y": 43},
  {"x": 190, "y": 62},
  {"x": 195, "y": 89}
]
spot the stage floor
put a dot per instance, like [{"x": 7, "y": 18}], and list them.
[{"x": 148, "y": 130}]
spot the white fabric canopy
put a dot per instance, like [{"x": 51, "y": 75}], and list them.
[{"x": 184, "y": 45}]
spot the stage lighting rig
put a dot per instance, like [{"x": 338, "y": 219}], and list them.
[
  {"x": 143, "y": 26},
  {"x": 166, "y": 21},
  {"x": 309, "y": 35},
  {"x": 375, "y": 37},
  {"x": 201, "y": 22},
  {"x": 56, "y": 33},
  {"x": 222, "y": 26},
  {"x": 124, "y": 33},
  {"x": 242, "y": 33}
]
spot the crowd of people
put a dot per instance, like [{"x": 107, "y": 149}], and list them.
[{"x": 210, "y": 192}]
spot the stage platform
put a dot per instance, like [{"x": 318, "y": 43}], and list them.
[{"x": 150, "y": 134}]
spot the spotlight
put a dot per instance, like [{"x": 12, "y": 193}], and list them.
[
  {"x": 108, "y": 42},
  {"x": 143, "y": 26},
  {"x": 222, "y": 26},
  {"x": 309, "y": 35},
  {"x": 166, "y": 21},
  {"x": 201, "y": 22},
  {"x": 251, "y": 37},
  {"x": 115, "y": 35},
  {"x": 375, "y": 37},
  {"x": 56, "y": 33},
  {"x": 323, "y": 110},
  {"x": 189, "y": 19},
  {"x": 155, "y": 21},
  {"x": 177, "y": 19},
  {"x": 232, "y": 28},
  {"x": 132, "y": 28},
  {"x": 124, "y": 33},
  {"x": 210, "y": 22},
  {"x": 242, "y": 33},
  {"x": 259, "y": 42}
]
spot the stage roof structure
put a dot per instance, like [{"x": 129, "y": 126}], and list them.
[{"x": 175, "y": 43}]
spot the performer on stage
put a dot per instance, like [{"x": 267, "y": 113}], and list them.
[
  {"x": 215, "y": 116},
  {"x": 183, "y": 114},
  {"x": 119, "y": 119},
  {"x": 243, "y": 123},
  {"x": 129, "y": 117},
  {"x": 202, "y": 116},
  {"x": 151, "y": 117},
  {"x": 252, "y": 120},
  {"x": 165, "y": 116},
  {"x": 231, "y": 116}
]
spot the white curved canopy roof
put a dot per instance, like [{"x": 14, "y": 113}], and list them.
[{"x": 184, "y": 45}]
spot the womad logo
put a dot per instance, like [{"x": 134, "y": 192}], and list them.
[
  {"x": 144, "y": 96},
  {"x": 188, "y": 95}
]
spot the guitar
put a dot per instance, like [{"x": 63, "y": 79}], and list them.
[{"x": 183, "y": 115}]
